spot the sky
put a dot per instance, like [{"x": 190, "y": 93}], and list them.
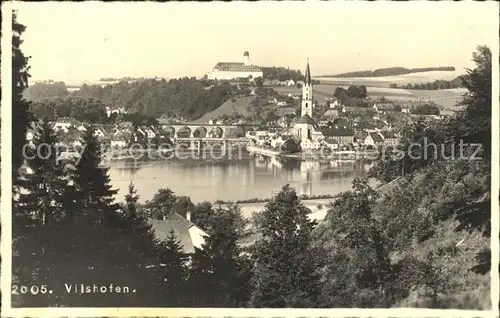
[{"x": 77, "y": 42}]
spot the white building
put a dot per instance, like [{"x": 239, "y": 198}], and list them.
[{"x": 232, "y": 70}]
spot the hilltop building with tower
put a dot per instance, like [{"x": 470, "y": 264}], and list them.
[{"x": 233, "y": 70}]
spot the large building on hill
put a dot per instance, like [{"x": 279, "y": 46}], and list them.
[{"x": 233, "y": 70}]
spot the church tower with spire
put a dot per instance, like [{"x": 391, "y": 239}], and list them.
[
  {"x": 307, "y": 94},
  {"x": 305, "y": 127}
]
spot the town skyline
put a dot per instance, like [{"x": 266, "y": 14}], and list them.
[{"x": 137, "y": 43}]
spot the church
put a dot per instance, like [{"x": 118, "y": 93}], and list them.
[
  {"x": 232, "y": 70},
  {"x": 305, "y": 128}
]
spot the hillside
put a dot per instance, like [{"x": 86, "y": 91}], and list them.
[
  {"x": 229, "y": 107},
  {"x": 186, "y": 98},
  {"x": 386, "y": 81},
  {"x": 446, "y": 98},
  {"x": 391, "y": 71}
]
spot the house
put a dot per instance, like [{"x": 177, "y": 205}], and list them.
[
  {"x": 282, "y": 103},
  {"x": 125, "y": 124},
  {"x": 390, "y": 138},
  {"x": 285, "y": 121},
  {"x": 344, "y": 135},
  {"x": 99, "y": 131},
  {"x": 138, "y": 136},
  {"x": 149, "y": 132},
  {"x": 121, "y": 139},
  {"x": 63, "y": 124},
  {"x": 187, "y": 233},
  {"x": 306, "y": 144},
  {"x": 335, "y": 105},
  {"x": 110, "y": 111},
  {"x": 258, "y": 135},
  {"x": 81, "y": 127},
  {"x": 329, "y": 116},
  {"x": 374, "y": 139},
  {"x": 279, "y": 141},
  {"x": 331, "y": 143},
  {"x": 290, "y": 83},
  {"x": 358, "y": 111},
  {"x": 360, "y": 136}
]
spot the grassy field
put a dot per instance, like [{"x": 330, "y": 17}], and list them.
[
  {"x": 446, "y": 98},
  {"x": 240, "y": 105},
  {"x": 385, "y": 81}
]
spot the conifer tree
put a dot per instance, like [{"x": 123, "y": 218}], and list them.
[
  {"x": 93, "y": 192},
  {"x": 200, "y": 281},
  {"x": 39, "y": 209},
  {"x": 229, "y": 277},
  {"x": 174, "y": 268},
  {"x": 20, "y": 113},
  {"x": 44, "y": 187},
  {"x": 284, "y": 273},
  {"x": 357, "y": 264},
  {"x": 131, "y": 199}
]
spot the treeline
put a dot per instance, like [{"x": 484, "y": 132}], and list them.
[
  {"x": 437, "y": 84},
  {"x": 425, "y": 109},
  {"x": 86, "y": 110},
  {"x": 282, "y": 74},
  {"x": 354, "y": 96},
  {"x": 185, "y": 98},
  {"x": 391, "y": 71},
  {"x": 40, "y": 91}
]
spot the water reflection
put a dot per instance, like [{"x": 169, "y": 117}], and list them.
[{"x": 251, "y": 177}]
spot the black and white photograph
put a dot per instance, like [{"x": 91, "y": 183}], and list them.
[{"x": 250, "y": 155}]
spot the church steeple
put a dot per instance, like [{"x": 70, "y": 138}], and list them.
[
  {"x": 308, "y": 74},
  {"x": 307, "y": 93}
]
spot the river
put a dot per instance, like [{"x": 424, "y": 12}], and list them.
[{"x": 231, "y": 180}]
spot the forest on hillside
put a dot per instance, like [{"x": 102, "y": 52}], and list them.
[
  {"x": 391, "y": 71},
  {"x": 437, "y": 84},
  {"x": 186, "y": 98},
  {"x": 282, "y": 74}
]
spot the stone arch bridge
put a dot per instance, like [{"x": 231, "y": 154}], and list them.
[{"x": 203, "y": 130}]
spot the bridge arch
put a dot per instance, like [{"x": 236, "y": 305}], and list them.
[
  {"x": 216, "y": 132},
  {"x": 169, "y": 131},
  {"x": 184, "y": 132},
  {"x": 200, "y": 132}
]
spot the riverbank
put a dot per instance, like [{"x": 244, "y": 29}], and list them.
[
  {"x": 318, "y": 207},
  {"x": 314, "y": 154}
]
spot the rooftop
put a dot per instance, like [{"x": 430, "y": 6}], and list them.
[
  {"x": 306, "y": 119},
  {"x": 376, "y": 137},
  {"x": 332, "y": 131},
  {"x": 179, "y": 225},
  {"x": 331, "y": 113},
  {"x": 388, "y": 134},
  {"x": 236, "y": 67}
]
